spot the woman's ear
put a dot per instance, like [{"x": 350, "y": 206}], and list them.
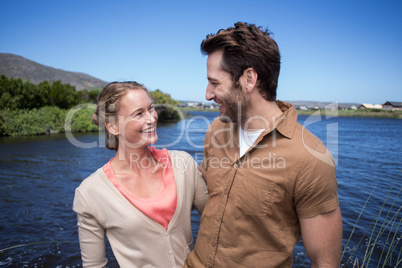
[
  {"x": 250, "y": 77},
  {"x": 112, "y": 128}
]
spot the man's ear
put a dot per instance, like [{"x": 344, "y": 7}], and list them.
[
  {"x": 112, "y": 128},
  {"x": 250, "y": 77}
]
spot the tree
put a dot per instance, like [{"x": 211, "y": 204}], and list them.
[
  {"x": 18, "y": 94},
  {"x": 162, "y": 98},
  {"x": 63, "y": 95},
  {"x": 166, "y": 107},
  {"x": 93, "y": 95}
]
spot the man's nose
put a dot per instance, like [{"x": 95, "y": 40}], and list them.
[{"x": 209, "y": 93}]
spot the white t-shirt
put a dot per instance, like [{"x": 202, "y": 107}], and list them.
[{"x": 247, "y": 139}]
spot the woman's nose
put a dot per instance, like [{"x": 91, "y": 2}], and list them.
[{"x": 151, "y": 118}]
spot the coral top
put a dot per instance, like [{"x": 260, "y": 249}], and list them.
[{"x": 160, "y": 207}]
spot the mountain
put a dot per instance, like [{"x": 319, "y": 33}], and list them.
[{"x": 19, "y": 67}]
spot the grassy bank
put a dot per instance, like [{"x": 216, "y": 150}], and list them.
[
  {"x": 356, "y": 113},
  {"x": 51, "y": 119},
  {"x": 53, "y": 107},
  {"x": 46, "y": 120},
  {"x": 344, "y": 113}
]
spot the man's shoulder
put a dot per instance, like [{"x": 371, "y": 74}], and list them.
[
  {"x": 312, "y": 147},
  {"x": 308, "y": 138},
  {"x": 217, "y": 123},
  {"x": 217, "y": 126}
]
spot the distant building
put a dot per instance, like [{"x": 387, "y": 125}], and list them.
[
  {"x": 199, "y": 105},
  {"x": 348, "y": 106},
  {"x": 182, "y": 104},
  {"x": 312, "y": 105},
  {"x": 370, "y": 106},
  {"x": 193, "y": 104},
  {"x": 392, "y": 105},
  {"x": 211, "y": 105},
  {"x": 300, "y": 107}
]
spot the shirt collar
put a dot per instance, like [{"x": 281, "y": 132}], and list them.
[{"x": 286, "y": 123}]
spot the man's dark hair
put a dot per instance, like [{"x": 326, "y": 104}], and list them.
[{"x": 244, "y": 46}]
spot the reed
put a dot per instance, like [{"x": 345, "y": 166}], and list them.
[{"x": 384, "y": 231}]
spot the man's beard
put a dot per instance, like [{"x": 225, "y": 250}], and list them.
[{"x": 237, "y": 107}]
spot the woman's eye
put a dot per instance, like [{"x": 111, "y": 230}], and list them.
[{"x": 138, "y": 114}]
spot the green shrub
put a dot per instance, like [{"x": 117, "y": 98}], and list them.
[
  {"x": 31, "y": 122},
  {"x": 79, "y": 119},
  {"x": 165, "y": 106},
  {"x": 45, "y": 120},
  {"x": 29, "y": 109}
]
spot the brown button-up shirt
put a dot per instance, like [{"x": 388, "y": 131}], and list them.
[{"x": 251, "y": 218}]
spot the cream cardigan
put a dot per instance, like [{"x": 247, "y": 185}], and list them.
[{"x": 137, "y": 240}]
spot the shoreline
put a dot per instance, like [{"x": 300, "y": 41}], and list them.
[
  {"x": 49, "y": 120},
  {"x": 355, "y": 113},
  {"x": 336, "y": 113}
]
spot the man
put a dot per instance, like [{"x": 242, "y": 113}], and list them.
[{"x": 269, "y": 179}]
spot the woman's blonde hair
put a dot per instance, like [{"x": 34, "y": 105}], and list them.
[{"x": 108, "y": 106}]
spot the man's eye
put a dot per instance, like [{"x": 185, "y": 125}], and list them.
[{"x": 151, "y": 108}]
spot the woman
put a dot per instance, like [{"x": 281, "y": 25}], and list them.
[{"x": 143, "y": 197}]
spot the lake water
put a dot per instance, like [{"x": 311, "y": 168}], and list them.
[{"x": 38, "y": 176}]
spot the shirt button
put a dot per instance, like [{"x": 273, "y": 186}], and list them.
[
  {"x": 217, "y": 219},
  {"x": 235, "y": 165},
  {"x": 213, "y": 244},
  {"x": 226, "y": 192},
  {"x": 166, "y": 234},
  {"x": 170, "y": 252}
]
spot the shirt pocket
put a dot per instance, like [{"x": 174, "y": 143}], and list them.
[{"x": 255, "y": 196}]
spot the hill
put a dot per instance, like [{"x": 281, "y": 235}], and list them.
[
  {"x": 19, "y": 67},
  {"x": 322, "y": 104}
]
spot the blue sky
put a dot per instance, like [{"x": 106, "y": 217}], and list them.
[{"x": 346, "y": 51}]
